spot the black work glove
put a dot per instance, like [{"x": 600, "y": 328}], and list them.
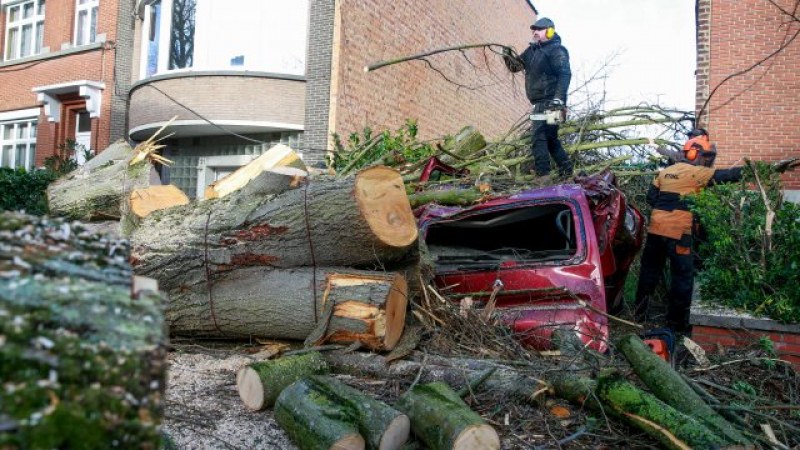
[
  {"x": 508, "y": 52},
  {"x": 557, "y": 103}
]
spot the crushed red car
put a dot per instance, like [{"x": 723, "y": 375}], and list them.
[{"x": 553, "y": 257}]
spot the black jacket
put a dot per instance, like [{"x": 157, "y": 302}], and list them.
[{"x": 547, "y": 72}]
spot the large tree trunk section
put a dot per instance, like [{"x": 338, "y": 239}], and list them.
[
  {"x": 78, "y": 354},
  {"x": 443, "y": 421},
  {"x": 97, "y": 190},
  {"x": 141, "y": 202},
  {"x": 359, "y": 221},
  {"x": 383, "y": 427},
  {"x": 348, "y": 305},
  {"x": 279, "y": 156},
  {"x": 260, "y": 383},
  {"x": 668, "y": 386},
  {"x": 315, "y": 421},
  {"x": 672, "y": 428}
]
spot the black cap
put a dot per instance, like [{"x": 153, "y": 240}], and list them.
[{"x": 542, "y": 24}]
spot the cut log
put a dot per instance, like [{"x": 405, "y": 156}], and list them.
[
  {"x": 96, "y": 190},
  {"x": 441, "y": 419},
  {"x": 83, "y": 365},
  {"x": 466, "y": 143},
  {"x": 672, "y": 428},
  {"x": 260, "y": 383},
  {"x": 279, "y": 156},
  {"x": 346, "y": 305},
  {"x": 314, "y": 421},
  {"x": 668, "y": 386},
  {"x": 141, "y": 202},
  {"x": 383, "y": 427},
  {"x": 359, "y": 221}
]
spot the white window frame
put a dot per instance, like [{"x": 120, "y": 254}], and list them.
[
  {"x": 36, "y": 22},
  {"x": 91, "y": 8},
  {"x": 27, "y": 141}
]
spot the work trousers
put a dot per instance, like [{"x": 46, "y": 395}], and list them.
[
  {"x": 681, "y": 266},
  {"x": 545, "y": 143}
]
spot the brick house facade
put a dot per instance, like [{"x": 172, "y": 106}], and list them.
[
  {"x": 60, "y": 71},
  {"x": 227, "y": 111},
  {"x": 755, "y": 114}
]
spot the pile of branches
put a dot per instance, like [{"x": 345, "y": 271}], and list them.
[{"x": 595, "y": 140}]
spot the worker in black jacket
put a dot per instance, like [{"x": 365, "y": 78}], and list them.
[
  {"x": 672, "y": 226},
  {"x": 547, "y": 76}
]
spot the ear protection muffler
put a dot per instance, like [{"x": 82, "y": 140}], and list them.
[{"x": 550, "y": 32}]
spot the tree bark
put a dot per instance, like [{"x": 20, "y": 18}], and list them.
[
  {"x": 359, "y": 221},
  {"x": 346, "y": 305},
  {"x": 83, "y": 364},
  {"x": 668, "y": 386},
  {"x": 277, "y": 157},
  {"x": 315, "y": 421},
  {"x": 96, "y": 190},
  {"x": 443, "y": 421},
  {"x": 672, "y": 428},
  {"x": 260, "y": 383}
]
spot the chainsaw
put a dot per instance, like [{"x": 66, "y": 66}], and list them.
[{"x": 554, "y": 115}]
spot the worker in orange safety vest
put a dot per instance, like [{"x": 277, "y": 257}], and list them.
[{"x": 672, "y": 226}]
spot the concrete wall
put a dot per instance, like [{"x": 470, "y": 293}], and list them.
[
  {"x": 756, "y": 114},
  {"x": 243, "y": 97},
  {"x": 368, "y": 31}
]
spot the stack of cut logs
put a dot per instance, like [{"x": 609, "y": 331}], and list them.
[
  {"x": 267, "y": 253},
  {"x": 319, "y": 412}
]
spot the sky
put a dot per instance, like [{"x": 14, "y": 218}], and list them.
[{"x": 654, "y": 43}]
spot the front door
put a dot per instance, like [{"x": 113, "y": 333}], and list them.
[{"x": 83, "y": 137}]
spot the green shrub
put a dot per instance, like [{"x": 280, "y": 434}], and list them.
[
  {"x": 745, "y": 266},
  {"x": 366, "y": 149},
  {"x": 23, "y": 190}
]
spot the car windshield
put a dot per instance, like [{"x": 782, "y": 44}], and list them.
[{"x": 533, "y": 233}]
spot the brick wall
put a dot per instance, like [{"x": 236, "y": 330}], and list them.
[
  {"x": 369, "y": 31},
  {"x": 318, "y": 79},
  {"x": 755, "y": 114},
  {"x": 97, "y": 64},
  {"x": 712, "y": 339}
]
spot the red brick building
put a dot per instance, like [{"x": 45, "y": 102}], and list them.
[
  {"x": 755, "y": 109},
  {"x": 58, "y": 65}
]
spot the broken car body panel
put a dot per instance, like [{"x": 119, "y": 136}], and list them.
[{"x": 538, "y": 255}]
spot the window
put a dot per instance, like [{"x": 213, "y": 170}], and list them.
[
  {"x": 24, "y": 29},
  {"x": 260, "y": 35},
  {"x": 86, "y": 22},
  {"x": 18, "y": 144}
]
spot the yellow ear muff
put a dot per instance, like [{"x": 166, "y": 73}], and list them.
[{"x": 550, "y": 32}]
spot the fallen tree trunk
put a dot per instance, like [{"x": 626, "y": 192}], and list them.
[
  {"x": 443, "y": 421},
  {"x": 342, "y": 305},
  {"x": 83, "y": 364},
  {"x": 364, "y": 220},
  {"x": 260, "y": 383},
  {"x": 672, "y": 428},
  {"x": 667, "y": 385},
  {"x": 315, "y": 421},
  {"x": 279, "y": 156},
  {"x": 142, "y": 202},
  {"x": 96, "y": 190}
]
